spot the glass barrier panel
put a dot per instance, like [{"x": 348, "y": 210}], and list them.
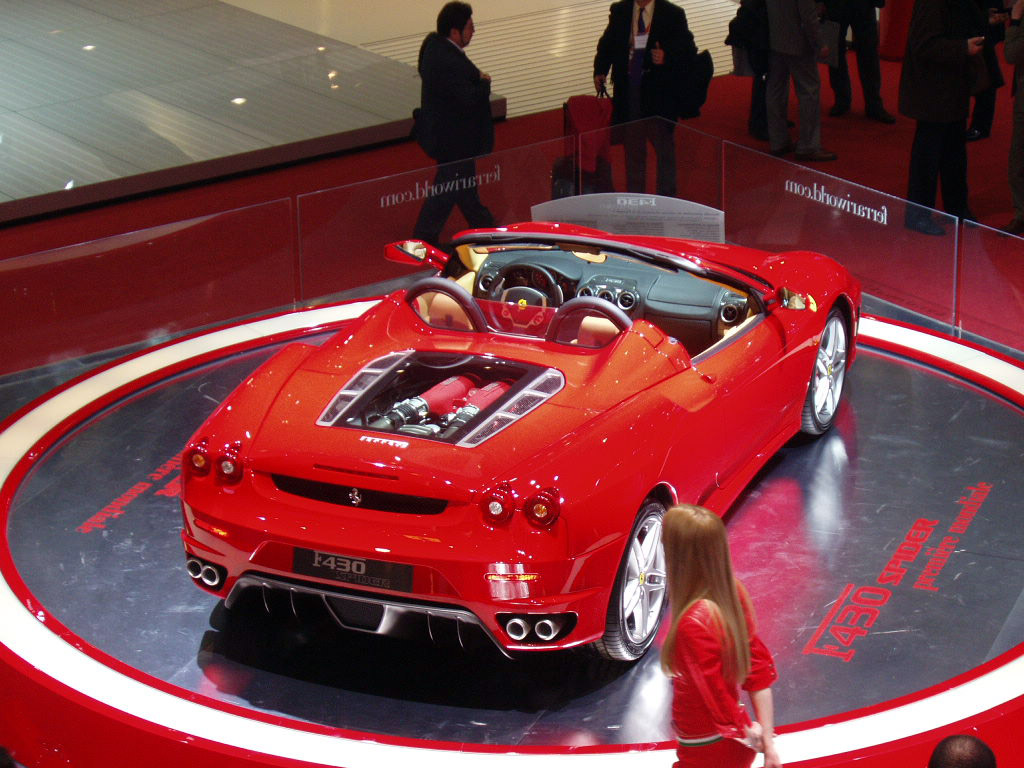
[
  {"x": 343, "y": 230},
  {"x": 145, "y": 285},
  {"x": 990, "y": 302},
  {"x": 904, "y": 255},
  {"x": 652, "y": 156}
]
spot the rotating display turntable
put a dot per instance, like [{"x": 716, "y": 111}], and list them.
[{"x": 886, "y": 563}]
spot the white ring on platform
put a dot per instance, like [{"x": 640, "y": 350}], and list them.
[{"x": 27, "y": 635}]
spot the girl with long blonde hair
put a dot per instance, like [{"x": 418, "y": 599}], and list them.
[{"x": 712, "y": 649}]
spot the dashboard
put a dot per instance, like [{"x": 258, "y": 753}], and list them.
[{"x": 696, "y": 311}]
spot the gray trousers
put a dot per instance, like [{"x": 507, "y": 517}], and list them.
[{"x": 803, "y": 69}]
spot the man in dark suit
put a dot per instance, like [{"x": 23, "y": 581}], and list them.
[
  {"x": 453, "y": 123},
  {"x": 1014, "y": 53},
  {"x": 794, "y": 33},
  {"x": 941, "y": 67},
  {"x": 648, "y": 46},
  {"x": 860, "y": 16}
]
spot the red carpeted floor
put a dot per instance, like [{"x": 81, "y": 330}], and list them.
[{"x": 870, "y": 153}]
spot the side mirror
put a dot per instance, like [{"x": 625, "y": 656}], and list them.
[
  {"x": 415, "y": 252},
  {"x": 799, "y": 301}
]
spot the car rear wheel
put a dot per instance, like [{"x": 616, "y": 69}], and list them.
[
  {"x": 825, "y": 390},
  {"x": 634, "y": 612}
]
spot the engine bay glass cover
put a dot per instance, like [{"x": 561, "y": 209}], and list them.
[{"x": 454, "y": 398}]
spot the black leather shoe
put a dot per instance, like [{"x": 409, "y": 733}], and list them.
[
  {"x": 838, "y": 110},
  {"x": 816, "y": 156},
  {"x": 1015, "y": 227},
  {"x": 974, "y": 135},
  {"x": 788, "y": 147},
  {"x": 881, "y": 116},
  {"x": 925, "y": 225}
]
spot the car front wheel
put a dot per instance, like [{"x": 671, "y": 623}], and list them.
[
  {"x": 634, "y": 612},
  {"x": 825, "y": 390}
]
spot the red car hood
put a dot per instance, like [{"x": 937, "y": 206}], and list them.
[
  {"x": 290, "y": 441},
  {"x": 422, "y": 466}
]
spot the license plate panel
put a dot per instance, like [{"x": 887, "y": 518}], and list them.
[{"x": 359, "y": 571}]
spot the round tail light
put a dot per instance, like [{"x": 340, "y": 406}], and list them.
[
  {"x": 197, "y": 458},
  {"x": 498, "y": 504},
  {"x": 543, "y": 508},
  {"x": 229, "y": 465}
]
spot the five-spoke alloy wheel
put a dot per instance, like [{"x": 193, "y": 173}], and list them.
[
  {"x": 634, "y": 612},
  {"x": 825, "y": 390}
]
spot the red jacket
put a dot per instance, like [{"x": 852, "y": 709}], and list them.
[{"x": 705, "y": 706}]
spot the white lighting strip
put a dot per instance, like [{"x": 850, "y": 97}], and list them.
[{"x": 27, "y": 635}]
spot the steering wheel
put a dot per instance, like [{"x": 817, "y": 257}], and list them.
[
  {"x": 549, "y": 295},
  {"x": 587, "y": 305},
  {"x": 454, "y": 291}
]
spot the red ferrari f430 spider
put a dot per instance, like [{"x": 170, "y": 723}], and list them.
[{"x": 490, "y": 451}]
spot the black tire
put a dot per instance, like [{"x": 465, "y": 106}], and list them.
[
  {"x": 637, "y": 601},
  {"x": 825, "y": 389}
]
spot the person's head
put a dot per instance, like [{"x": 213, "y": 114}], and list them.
[
  {"x": 698, "y": 567},
  {"x": 455, "y": 21},
  {"x": 696, "y": 554},
  {"x": 962, "y": 751},
  {"x": 6, "y": 761}
]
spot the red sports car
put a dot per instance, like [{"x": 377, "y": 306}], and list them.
[{"x": 492, "y": 448}]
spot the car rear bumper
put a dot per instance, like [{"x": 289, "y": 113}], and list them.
[
  {"x": 373, "y": 614},
  {"x": 513, "y": 618}
]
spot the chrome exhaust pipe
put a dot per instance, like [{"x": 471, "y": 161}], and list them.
[
  {"x": 517, "y": 629},
  {"x": 210, "y": 576},
  {"x": 547, "y": 629},
  {"x": 194, "y": 567}
]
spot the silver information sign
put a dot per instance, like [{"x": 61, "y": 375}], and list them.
[{"x": 626, "y": 213}]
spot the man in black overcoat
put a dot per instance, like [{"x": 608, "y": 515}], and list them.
[
  {"x": 1014, "y": 53},
  {"x": 648, "y": 46},
  {"x": 942, "y": 67},
  {"x": 453, "y": 124}
]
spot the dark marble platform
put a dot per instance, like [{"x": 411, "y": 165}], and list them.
[{"x": 853, "y": 531}]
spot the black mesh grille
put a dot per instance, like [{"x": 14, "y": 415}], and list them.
[{"x": 359, "y": 498}]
